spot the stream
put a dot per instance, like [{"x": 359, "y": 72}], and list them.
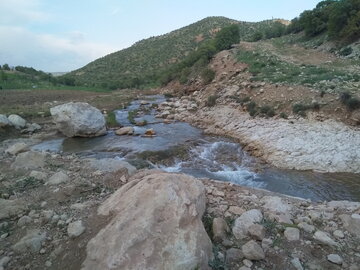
[{"x": 206, "y": 157}]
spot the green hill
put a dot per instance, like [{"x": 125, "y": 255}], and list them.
[{"x": 142, "y": 64}]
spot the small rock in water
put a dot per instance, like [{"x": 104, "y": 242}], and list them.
[{"x": 150, "y": 132}]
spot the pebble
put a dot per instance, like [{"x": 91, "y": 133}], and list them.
[
  {"x": 335, "y": 258},
  {"x": 292, "y": 234},
  {"x": 75, "y": 229}
]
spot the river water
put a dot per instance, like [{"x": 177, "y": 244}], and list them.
[{"x": 208, "y": 157}]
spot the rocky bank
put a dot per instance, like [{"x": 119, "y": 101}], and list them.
[{"x": 296, "y": 143}]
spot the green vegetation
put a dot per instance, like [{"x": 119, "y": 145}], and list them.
[
  {"x": 339, "y": 19},
  {"x": 131, "y": 116},
  {"x": 300, "y": 108},
  {"x": 267, "y": 111},
  {"x": 211, "y": 101},
  {"x": 268, "y": 67},
  {"x": 111, "y": 120},
  {"x": 156, "y": 60}
]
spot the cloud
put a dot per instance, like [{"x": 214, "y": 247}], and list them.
[
  {"x": 20, "y": 46},
  {"x": 18, "y": 12}
]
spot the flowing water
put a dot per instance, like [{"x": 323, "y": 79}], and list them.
[{"x": 209, "y": 157}]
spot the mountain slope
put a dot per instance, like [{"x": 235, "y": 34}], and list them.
[{"x": 140, "y": 64}]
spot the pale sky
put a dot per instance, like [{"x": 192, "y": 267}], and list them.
[{"x": 63, "y": 35}]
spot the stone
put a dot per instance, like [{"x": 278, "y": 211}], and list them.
[
  {"x": 253, "y": 251},
  {"x": 292, "y": 234},
  {"x": 4, "y": 121},
  {"x": 16, "y": 148},
  {"x": 111, "y": 165},
  {"x": 78, "y": 119},
  {"x": 306, "y": 227},
  {"x": 297, "y": 264},
  {"x": 75, "y": 229},
  {"x": 242, "y": 223},
  {"x": 32, "y": 242},
  {"x": 125, "y": 131},
  {"x": 338, "y": 234},
  {"x": 220, "y": 229},
  {"x": 351, "y": 223},
  {"x": 4, "y": 261},
  {"x": 29, "y": 160},
  {"x": 58, "y": 178},
  {"x": 345, "y": 205},
  {"x": 38, "y": 175},
  {"x": 10, "y": 208},
  {"x": 24, "y": 220},
  {"x": 335, "y": 258},
  {"x": 17, "y": 121},
  {"x": 257, "y": 232},
  {"x": 150, "y": 132},
  {"x": 158, "y": 214},
  {"x": 236, "y": 210},
  {"x": 234, "y": 255},
  {"x": 324, "y": 238},
  {"x": 276, "y": 204}
]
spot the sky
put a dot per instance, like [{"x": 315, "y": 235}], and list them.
[{"x": 63, "y": 35}]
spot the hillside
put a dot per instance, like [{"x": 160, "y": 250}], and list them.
[{"x": 141, "y": 64}]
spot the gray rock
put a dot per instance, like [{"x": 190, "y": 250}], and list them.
[
  {"x": 219, "y": 229},
  {"x": 32, "y": 242},
  {"x": 325, "y": 239},
  {"x": 306, "y": 227},
  {"x": 17, "y": 121},
  {"x": 297, "y": 264},
  {"x": 242, "y": 223},
  {"x": 58, "y": 178},
  {"x": 276, "y": 204},
  {"x": 338, "y": 234},
  {"x": 292, "y": 234},
  {"x": 257, "y": 232},
  {"x": 4, "y": 121},
  {"x": 335, "y": 258},
  {"x": 16, "y": 148},
  {"x": 24, "y": 220},
  {"x": 4, "y": 261},
  {"x": 29, "y": 160},
  {"x": 38, "y": 175},
  {"x": 125, "y": 131},
  {"x": 9, "y": 208},
  {"x": 78, "y": 120},
  {"x": 351, "y": 223},
  {"x": 253, "y": 251},
  {"x": 234, "y": 255},
  {"x": 75, "y": 229},
  {"x": 111, "y": 165}
]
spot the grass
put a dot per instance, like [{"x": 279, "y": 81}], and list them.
[
  {"x": 22, "y": 185},
  {"x": 268, "y": 67},
  {"x": 211, "y": 101},
  {"x": 131, "y": 116},
  {"x": 111, "y": 120}
]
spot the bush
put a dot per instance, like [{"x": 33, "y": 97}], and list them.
[
  {"x": 344, "y": 97},
  {"x": 267, "y": 110},
  {"x": 353, "y": 104},
  {"x": 346, "y": 51},
  {"x": 300, "y": 108},
  {"x": 211, "y": 101},
  {"x": 283, "y": 115},
  {"x": 207, "y": 75}
]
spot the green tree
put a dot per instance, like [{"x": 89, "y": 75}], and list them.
[
  {"x": 5, "y": 67},
  {"x": 226, "y": 37}
]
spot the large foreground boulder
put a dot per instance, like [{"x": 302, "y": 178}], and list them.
[
  {"x": 156, "y": 225},
  {"x": 78, "y": 120}
]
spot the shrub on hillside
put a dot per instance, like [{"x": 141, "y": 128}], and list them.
[
  {"x": 207, "y": 75},
  {"x": 211, "y": 101}
]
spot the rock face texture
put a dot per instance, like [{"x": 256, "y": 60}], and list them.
[
  {"x": 17, "y": 121},
  {"x": 156, "y": 225},
  {"x": 78, "y": 120},
  {"x": 327, "y": 146}
]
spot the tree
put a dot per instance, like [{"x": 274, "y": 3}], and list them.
[
  {"x": 226, "y": 37},
  {"x": 6, "y": 67}
]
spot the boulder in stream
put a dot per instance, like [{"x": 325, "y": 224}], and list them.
[{"x": 79, "y": 119}]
